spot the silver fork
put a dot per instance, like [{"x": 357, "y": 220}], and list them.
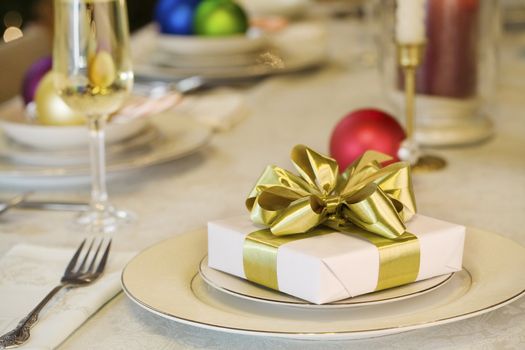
[{"x": 86, "y": 273}]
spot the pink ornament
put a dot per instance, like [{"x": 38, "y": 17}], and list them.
[
  {"x": 362, "y": 130},
  {"x": 34, "y": 74}
]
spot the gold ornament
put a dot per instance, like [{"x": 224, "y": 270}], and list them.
[
  {"x": 102, "y": 71},
  {"x": 51, "y": 108}
]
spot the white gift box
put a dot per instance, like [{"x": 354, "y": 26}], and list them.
[{"x": 335, "y": 266}]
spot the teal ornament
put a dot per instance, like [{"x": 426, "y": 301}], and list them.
[{"x": 219, "y": 18}]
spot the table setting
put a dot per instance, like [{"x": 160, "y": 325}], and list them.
[
  {"x": 246, "y": 184},
  {"x": 244, "y": 45}
]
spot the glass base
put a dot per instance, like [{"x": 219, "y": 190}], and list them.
[
  {"x": 109, "y": 220},
  {"x": 409, "y": 152},
  {"x": 428, "y": 162}
]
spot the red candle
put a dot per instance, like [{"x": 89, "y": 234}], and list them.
[{"x": 451, "y": 57}]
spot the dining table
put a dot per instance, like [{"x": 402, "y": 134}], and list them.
[{"x": 482, "y": 186}]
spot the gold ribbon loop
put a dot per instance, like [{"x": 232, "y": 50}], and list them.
[
  {"x": 367, "y": 195},
  {"x": 319, "y": 171}
]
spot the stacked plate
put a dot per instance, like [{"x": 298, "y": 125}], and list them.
[
  {"x": 30, "y": 152},
  {"x": 172, "y": 280},
  {"x": 252, "y": 55}
]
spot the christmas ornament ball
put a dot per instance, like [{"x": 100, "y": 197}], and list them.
[
  {"x": 33, "y": 76},
  {"x": 176, "y": 16},
  {"x": 362, "y": 130},
  {"x": 219, "y": 18},
  {"x": 162, "y": 8},
  {"x": 50, "y": 108}
]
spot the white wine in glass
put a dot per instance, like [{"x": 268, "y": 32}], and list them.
[{"x": 93, "y": 74}]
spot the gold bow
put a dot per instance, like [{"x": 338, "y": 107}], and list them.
[{"x": 375, "y": 198}]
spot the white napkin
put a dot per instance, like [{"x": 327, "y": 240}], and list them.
[
  {"x": 141, "y": 106},
  {"x": 220, "y": 109},
  {"x": 28, "y": 273}
]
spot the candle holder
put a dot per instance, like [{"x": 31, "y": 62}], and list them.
[
  {"x": 409, "y": 57},
  {"x": 455, "y": 80}
]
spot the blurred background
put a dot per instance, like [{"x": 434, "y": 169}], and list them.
[
  {"x": 18, "y": 14},
  {"x": 26, "y": 29},
  {"x": 26, "y": 32}
]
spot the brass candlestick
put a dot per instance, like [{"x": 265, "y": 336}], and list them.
[{"x": 409, "y": 57}]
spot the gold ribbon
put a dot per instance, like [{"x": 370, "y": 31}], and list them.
[
  {"x": 366, "y": 199},
  {"x": 260, "y": 254},
  {"x": 366, "y": 195}
]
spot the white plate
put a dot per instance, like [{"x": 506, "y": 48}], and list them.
[
  {"x": 269, "y": 64},
  {"x": 253, "y": 40},
  {"x": 164, "y": 280},
  {"x": 178, "y": 137},
  {"x": 15, "y": 125},
  {"x": 244, "y": 289},
  {"x": 163, "y": 59}
]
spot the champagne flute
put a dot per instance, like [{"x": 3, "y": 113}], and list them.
[{"x": 93, "y": 74}]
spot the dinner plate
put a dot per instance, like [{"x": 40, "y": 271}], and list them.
[
  {"x": 196, "y": 45},
  {"x": 242, "y": 288},
  {"x": 164, "y": 280},
  {"x": 163, "y": 59},
  {"x": 269, "y": 64},
  {"x": 177, "y": 137}
]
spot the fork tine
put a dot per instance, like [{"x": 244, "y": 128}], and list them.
[
  {"x": 104, "y": 259},
  {"x": 74, "y": 259},
  {"x": 92, "y": 265},
  {"x": 81, "y": 267}
]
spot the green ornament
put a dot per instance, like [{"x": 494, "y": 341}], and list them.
[{"x": 219, "y": 18}]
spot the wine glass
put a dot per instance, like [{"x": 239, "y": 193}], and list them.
[{"x": 93, "y": 74}]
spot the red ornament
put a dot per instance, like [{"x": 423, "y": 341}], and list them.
[{"x": 362, "y": 130}]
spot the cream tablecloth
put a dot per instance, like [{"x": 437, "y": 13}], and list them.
[{"x": 483, "y": 186}]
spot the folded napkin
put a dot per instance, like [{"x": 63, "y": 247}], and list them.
[
  {"x": 141, "y": 106},
  {"x": 28, "y": 273},
  {"x": 220, "y": 109}
]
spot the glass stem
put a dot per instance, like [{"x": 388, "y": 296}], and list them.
[{"x": 99, "y": 195}]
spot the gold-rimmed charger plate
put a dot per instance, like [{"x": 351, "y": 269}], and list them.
[
  {"x": 241, "y": 288},
  {"x": 177, "y": 137},
  {"x": 164, "y": 280}
]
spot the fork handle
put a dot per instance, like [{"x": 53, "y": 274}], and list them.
[{"x": 21, "y": 333}]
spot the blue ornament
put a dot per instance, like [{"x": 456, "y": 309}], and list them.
[
  {"x": 176, "y": 16},
  {"x": 162, "y": 8}
]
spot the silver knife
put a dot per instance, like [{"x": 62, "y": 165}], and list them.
[
  {"x": 12, "y": 202},
  {"x": 53, "y": 205}
]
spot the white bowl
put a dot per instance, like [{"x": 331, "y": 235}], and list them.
[
  {"x": 253, "y": 40},
  {"x": 286, "y": 8},
  {"x": 17, "y": 126}
]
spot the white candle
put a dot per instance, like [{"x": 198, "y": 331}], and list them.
[{"x": 410, "y": 21}]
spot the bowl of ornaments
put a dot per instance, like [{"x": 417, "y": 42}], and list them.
[
  {"x": 39, "y": 117},
  {"x": 206, "y": 27}
]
